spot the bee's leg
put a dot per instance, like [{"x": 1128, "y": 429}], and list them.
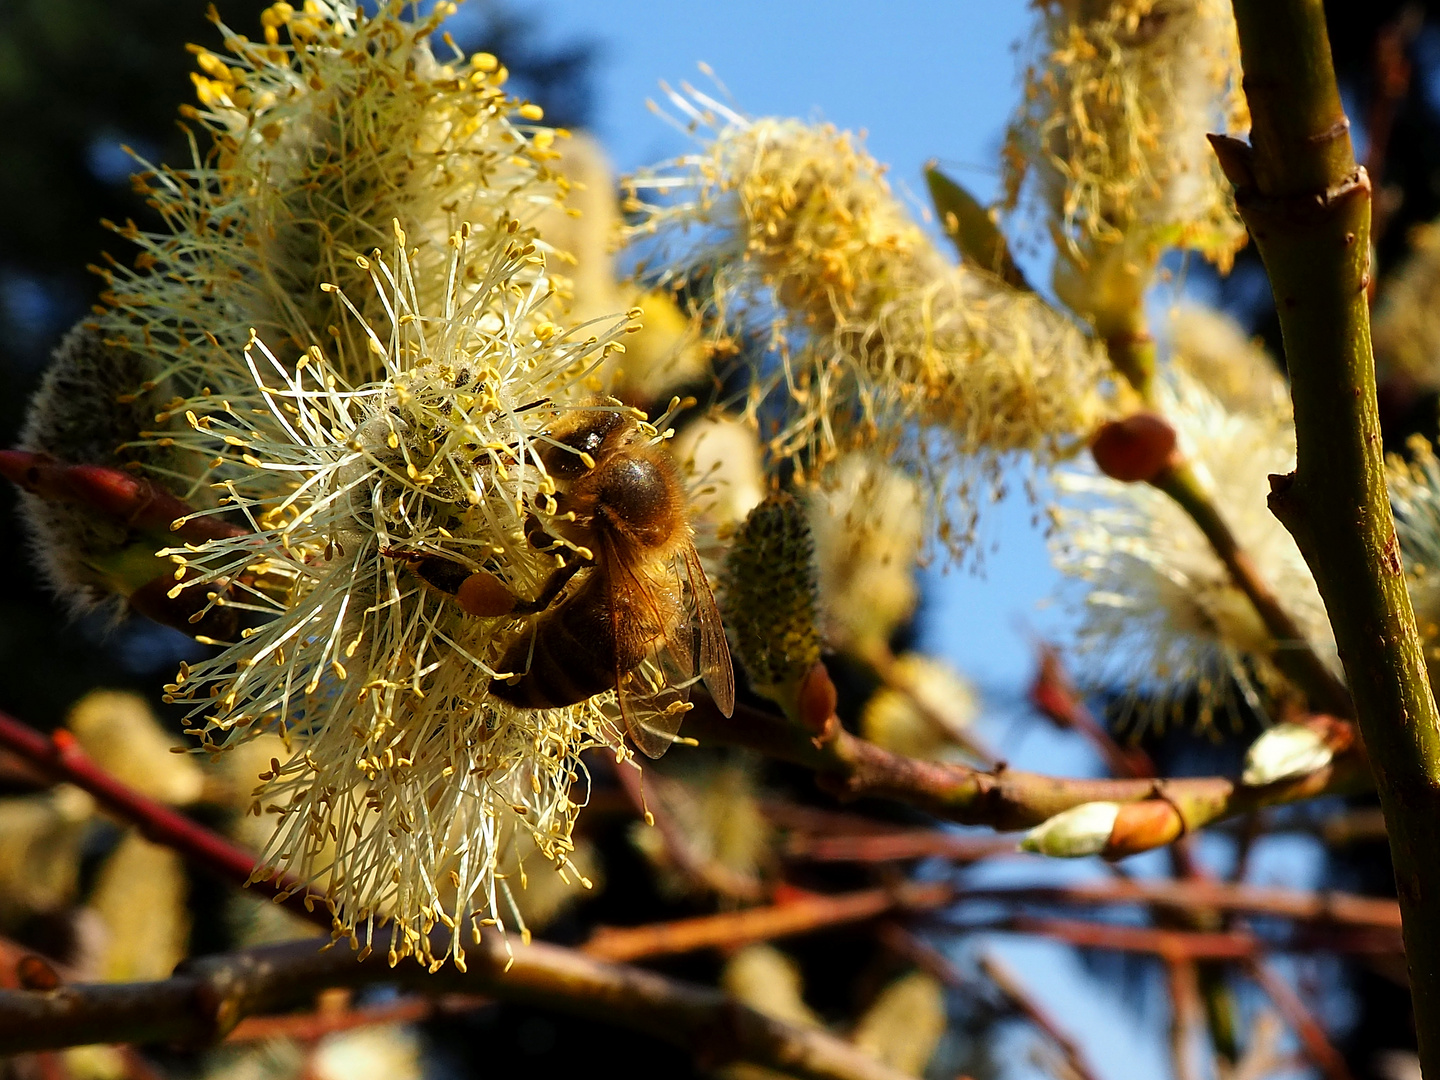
[
  {"x": 535, "y": 534},
  {"x": 554, "y": 584}
]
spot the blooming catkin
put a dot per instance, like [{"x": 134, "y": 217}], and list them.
[
  {"x": 346, "y": 341},
  {"x": 409, "y": 781},
  {"x": 1406, "y": 327},
  {"x": 1119, "y": 96},
  {"x": 1415, "y": 498},
  {"x": 871, "y": 329},
  {"x": 305, "y": 153},
  {"x": 1161, "y": 618}
]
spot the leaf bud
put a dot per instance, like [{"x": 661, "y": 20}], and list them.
[
  {"x": 1285, "y": 751},
  {"x": 1081, "y": 830},
  {"x": 1139, "y": 447}
]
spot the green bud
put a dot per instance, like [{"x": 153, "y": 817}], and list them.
[
  {"x": 1284, "y": 751},
  {"x": 769, "y": 597},
  {"x": 1070, "y": 834}
]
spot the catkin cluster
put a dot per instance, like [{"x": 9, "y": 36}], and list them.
[
  {"x": 868, "y": 338},
  {"x": 345, "y": 343}
]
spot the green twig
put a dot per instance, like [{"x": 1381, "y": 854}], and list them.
[
  {"x": 1293, "y": 655},
  {"x": 1307, "y": 205}
]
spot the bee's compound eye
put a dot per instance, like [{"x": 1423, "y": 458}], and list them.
[{"x": 565, "y": 460}]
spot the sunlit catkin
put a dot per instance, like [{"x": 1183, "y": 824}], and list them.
[
  {"x": 1162, "y": 621},
  {"x": 1407, "y": 318},
  {"x": 309, "y": 144},
  {"x": 866, "y": 329},
  {"x": 408, "y": 780},
  {"x": 1119, "y": 96},
  {"x": 347, "y": 342},
  {"x": 1415, "y": 498}
]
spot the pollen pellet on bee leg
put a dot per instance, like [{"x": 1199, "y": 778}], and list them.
[{"x": 485, "y": 596}]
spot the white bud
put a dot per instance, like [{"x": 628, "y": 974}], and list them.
[
  {"x": 1284, "y": 751},
  {"x": 1070, "y": 834}
]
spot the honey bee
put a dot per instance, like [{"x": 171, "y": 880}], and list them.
[{"x": 631, "y": 609}]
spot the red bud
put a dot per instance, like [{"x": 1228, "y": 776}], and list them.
[
  {"x": 138, "y": 502},
  {"x": 1139, "y": 447}
]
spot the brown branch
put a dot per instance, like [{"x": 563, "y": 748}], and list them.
[
  {"x": 309, "y": 1026},
  {"x": 706, "y": 873},
  {"x": 898, "y": 845},
  {"x": 882, "y": 662},
  {"x": 208, "y": 997},
  {"x": 1156, "y": 811},
  {"x": 733, "y": 928},
  {"x": 114, "y": 493},
  {"x": 1392, "y": 72},
  {"x": 1186, "y": 1015},
  {"x": 1054, "y": 694},
  {"x": 1184, "y": 944},
  {"x": 1340, "y": 909},
  {"x": 1293, "y": 655},
  {"x": 1318, "y": 1047},
  {"x": 60, "y": 757},
  {"x": 1166, "y": 944},
  {"x": 1014, "y": 991}
]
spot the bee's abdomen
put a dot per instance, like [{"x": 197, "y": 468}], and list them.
[{"x": 574, "y": 654}]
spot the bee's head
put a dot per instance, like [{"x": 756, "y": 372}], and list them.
[{"x": 565, "y": 458}]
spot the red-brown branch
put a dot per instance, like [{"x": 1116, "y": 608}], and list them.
[
  {"x": 1015, "y": 992},
  {"x": 1318, "y": 1047},
  {"x": 1166, "y": 944},
  {"x": 1343, "y": 909},
  {"x": 1157, "y": 811},
  {"x": 1056, "y": 697},
  {"x": 732, "y": 928},
  {"x": 114, "y": 493},
  {"x": 309, "y": 1026},
  {"x": 60, "y": 757},
  {"x": 704, "y": 872}
]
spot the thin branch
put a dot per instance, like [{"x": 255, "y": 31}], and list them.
[
  {"x": 60, "y": 757},
  {"x": 209, "y": 996},
  {"x": 898, "y": 845},
  {"x": 114, "y": 493},
  {"x": 1336, "y": 908},
  {"x": 1186, "y": 1016},
  {"x": 1166, "y": 944},
  {"x": 1318, "y": 1047},
  {"x": 1183, "y": 944},
  {"x": 1307, "y": 205},
  {"x": 309, "y": 1026},
  {"x": 1054, "y": 694},
  {"x": 883, "y": 663},
  {"x": 1155, "y": 812},
  {"x": 1015, "y": 992},
  {"x": 733, "y": 928},
  {"x": 1293, "y": 655},
  {"x": 706, "y": 873}
]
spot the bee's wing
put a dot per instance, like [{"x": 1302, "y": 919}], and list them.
[
  {"x": 648, "y": 621},
  {"x": 653, "y": 704},
  {"x": 715, "y": 666}
]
